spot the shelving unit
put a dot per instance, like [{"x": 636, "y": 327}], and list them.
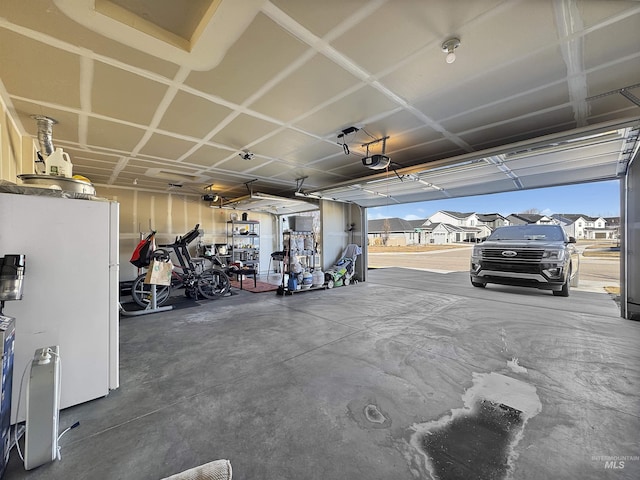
[
  {"x": 209, "y": 250},
  {"x": 243, "y": 237},
  {"x": 300, "y": 255}
]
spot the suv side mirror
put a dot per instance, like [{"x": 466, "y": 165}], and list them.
[{"x": 572, "y": 240}]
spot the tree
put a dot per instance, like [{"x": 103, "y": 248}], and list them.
[{"x": 386, "y": 228}]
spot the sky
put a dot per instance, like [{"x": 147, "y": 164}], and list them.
[{"x": 592, "y": 199}]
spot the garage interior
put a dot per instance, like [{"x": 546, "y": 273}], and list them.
[{"x": 185, "y": 113}]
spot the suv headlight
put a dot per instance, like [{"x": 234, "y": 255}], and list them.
[
  {"x": 477, "y": 251},
  {"x": 554, "y": 254}
]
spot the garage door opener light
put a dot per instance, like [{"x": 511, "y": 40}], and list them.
[{"x": 449, "y": 47}]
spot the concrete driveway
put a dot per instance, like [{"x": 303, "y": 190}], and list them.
[
  {"x": 595, "y": 272},
  {"x": 410, "y": 375}
]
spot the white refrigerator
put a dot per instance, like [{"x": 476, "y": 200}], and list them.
[{"x": 71, "y": 290}]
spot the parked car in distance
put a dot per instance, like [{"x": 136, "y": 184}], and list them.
[
  {"x": 539, "y": 256},
  {"x": 475, "y": 239}
]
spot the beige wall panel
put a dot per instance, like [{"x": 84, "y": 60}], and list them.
[
  {"x": 4, "y": 151},
  {"x": 172, "y": 215},
  {"x": 151, "y": 213},
  {"x": 12, "y": 145},
  {"x": 334, "y": 218},
  {"x": 125, "y": 199},
  {"x": 4, "y": 145}
]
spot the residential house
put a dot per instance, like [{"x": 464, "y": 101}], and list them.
[
  {"x": 613, "y": 223},
  {"x": 395, "y": 232},
  {"x": 420, "y": 232},
  {"x": 448, "y": 227},
  {"x": 492, "y": 220},
  {"x": 459, "y": 219},
  {"x": 441, "y": 233},
  {"x": 585, "y": 227}
]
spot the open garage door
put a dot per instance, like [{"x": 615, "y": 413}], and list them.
[
  {"x": 602, "y": 152},
  {"x": 589, "y": 154},
  {"x": 630, "y": 239}
]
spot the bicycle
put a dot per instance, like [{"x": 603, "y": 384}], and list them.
[{"x": 197, "y": 280}]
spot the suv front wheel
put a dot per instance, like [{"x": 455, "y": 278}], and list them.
[{"x": 565, "y": 288}]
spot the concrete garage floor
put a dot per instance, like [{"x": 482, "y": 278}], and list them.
[{"x": 347, "y": 383}]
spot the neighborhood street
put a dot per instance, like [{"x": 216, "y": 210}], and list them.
[{"x": 596, "y": 273}]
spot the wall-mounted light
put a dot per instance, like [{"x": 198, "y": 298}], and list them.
[{"x": 449, "y": 47}]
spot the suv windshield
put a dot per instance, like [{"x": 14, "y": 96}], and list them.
[{"x": 529, "y": 232}]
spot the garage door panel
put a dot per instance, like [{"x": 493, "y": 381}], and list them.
[{"x": 580, "y": 175}]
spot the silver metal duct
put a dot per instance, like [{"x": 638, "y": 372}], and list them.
[{"x": 45, "y": 134}]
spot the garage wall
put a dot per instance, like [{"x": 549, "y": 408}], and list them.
[
  {"x": 173, "y": 215},
  {"x": 336, "y": 219},
  {"x": 17, "y": 151},
  {"x": 170, "y": 214},
  {"x": 358, "y": 235}
]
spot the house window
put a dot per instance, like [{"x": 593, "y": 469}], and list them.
[{"x": 579, "y": 224}]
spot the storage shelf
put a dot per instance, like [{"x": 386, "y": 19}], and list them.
[
  {"x": 297, "y": 255},
  {"x": 244, "y": 247}
]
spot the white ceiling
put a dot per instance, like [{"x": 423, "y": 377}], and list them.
[{"x": 167, "y": 91}]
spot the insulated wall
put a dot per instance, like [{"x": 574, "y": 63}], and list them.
[
  {"x": 334, "y": 217},
  {"x": 173, "y": 214}
]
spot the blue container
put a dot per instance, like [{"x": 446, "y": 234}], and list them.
[{"x": 293, "y": 283}]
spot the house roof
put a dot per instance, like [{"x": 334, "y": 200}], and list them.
[
  {"x": 528, "y": 217},
  {"x": 446, "y": 226},
  {"x": 459, "y": 215},
  {"x": 489, "y": 217},
  {"x": 569, "y": 218},
  {"x": 394, "y": 225},
  {"x": 454, "y": 228},
  {"x": 417, "y": 223}
]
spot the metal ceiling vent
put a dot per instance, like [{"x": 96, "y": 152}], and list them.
[{"x": 45, "y": 133}]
